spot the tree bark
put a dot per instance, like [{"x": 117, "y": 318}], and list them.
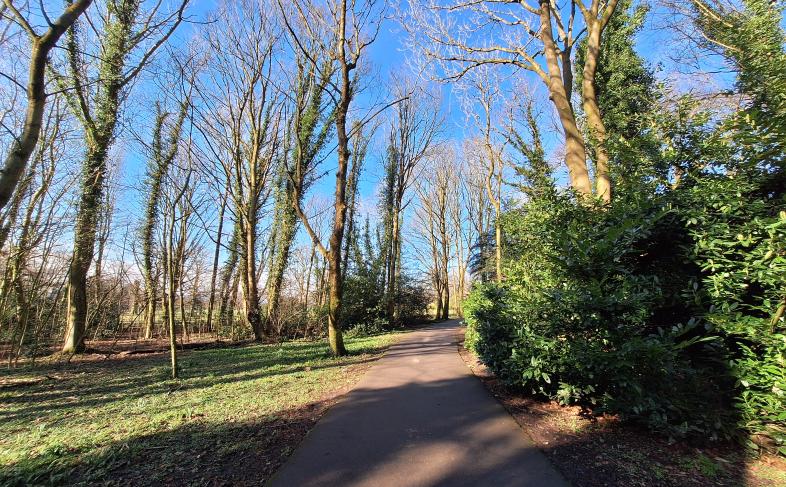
[
  {"x": 335, "y": 276},
  {"x": 495, "y": 173},
  {"x": 214, "y": 273},
  {"x": 393, "y": 268},
  {"x": 286, "y": 235},
  {"x": 498, "y": 246},
  {"x": 250, "y": 284},
  {"x": 84, "y": 242},
  {"x": 438, "y": 314},
  {"x": 597, "y": 128},
  {"x": 171, "y": 294},
  {"x": 13, "y": 213},
  {"x": 575, "y": 150}
]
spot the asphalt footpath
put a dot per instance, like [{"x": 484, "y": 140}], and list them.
[{"x": 418, "y": 418}]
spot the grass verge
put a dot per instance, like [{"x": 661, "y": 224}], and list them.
[{"x": 233, "y": 417}]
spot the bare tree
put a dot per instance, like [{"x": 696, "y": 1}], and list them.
[
  {"x": 478, "y": 207},
  {"x": 414, "y": 129},
  {"x": 40, "y": 46},
  {"x": 240, "y": 122},
  {"x": 96, "y": 101},
  {"x": 533, "y": 35},
  {"x": 341, "y": 32},
  {"x": 433, "y": 216},
  {"x": 481, "y": 104}
]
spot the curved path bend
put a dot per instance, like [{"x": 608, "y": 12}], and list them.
[{"x": 418, "y": 418}]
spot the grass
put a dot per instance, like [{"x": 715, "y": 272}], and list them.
[
  {"x": 703, "y": 464},
  {"x": 126, "y": 422}
]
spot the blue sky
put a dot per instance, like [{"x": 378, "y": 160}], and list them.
[{"x": 387, "y": 55}]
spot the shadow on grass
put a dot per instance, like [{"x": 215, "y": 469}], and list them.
[
  {"x": 466, "y": 441},
  {"x": 384, "y": 432},
  {"x": 198, "y": 453},
  {"x": 90, "y": 384}
]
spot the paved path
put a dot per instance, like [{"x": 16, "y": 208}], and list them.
[{"x": 418, "y": 418}]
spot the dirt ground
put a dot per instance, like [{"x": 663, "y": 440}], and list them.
[{"x": 601, "y": 451}]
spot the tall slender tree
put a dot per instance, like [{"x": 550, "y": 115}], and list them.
[
  {"x": 414, "y": 129},
  {"x": 96, "y": 101},
  {"x": 310, "y": 127},
  {"x": 342, "y": 31},
  {"x": 163, "y": 152}
]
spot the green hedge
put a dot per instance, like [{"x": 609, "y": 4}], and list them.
[{"x": 631, "y": 311}]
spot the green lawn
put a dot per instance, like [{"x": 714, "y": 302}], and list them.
[{"x": 235, "y": 414}]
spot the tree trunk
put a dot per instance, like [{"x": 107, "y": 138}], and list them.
[
  {"x": 438, "y": 314},
  {"x": 335, "y": 337},
  {"x": 495, "y": 202},
  {"x": 13, "y": 213},
  {"x": 84, "y": 242},
  {"x": 592, "y": 110},
  {"x": 335, "y": 277},
  {"x": 134, "y": 307},
  {"x": 194, "y": 308},
  {"x": 286, "y": 235},
  {"x": 214, "y": 274},
  {"x": 164, "y": 291},
  {"x": 321, "y": 284},
  {"x": 180, "y": 273},
  {"x": 460, "y": 291},
  {"x": 392, "y": 277},
  {"x": 233, "y": 303},
  {"x": 498, "y": 249},
  {"x": 150, "y": 308},
  {"x": 250, "y": 284},
  {"x": 446, "y": 301},
  {"x": 444, "y": 270},
  {"x": 228, "y": 272},
  {"x": 170, "y": 301},
  {"x": 308, "y": 279},
  {"x": 575, "y": 150}
]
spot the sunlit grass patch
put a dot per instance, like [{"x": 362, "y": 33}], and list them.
[{"x": 83, "y": 421}]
